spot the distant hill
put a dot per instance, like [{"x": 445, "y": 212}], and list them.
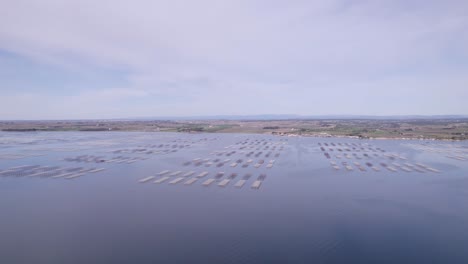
[
  {"x": 286, "y": 117},
  {"x": 223, "y": 117}
]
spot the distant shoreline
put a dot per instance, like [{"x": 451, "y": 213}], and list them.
[{"x": 417, "y": 129}]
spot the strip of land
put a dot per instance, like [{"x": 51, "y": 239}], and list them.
[{"x": 439, "y": 129}]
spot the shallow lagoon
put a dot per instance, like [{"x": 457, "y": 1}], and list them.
[{"x": 304, "y": 212}]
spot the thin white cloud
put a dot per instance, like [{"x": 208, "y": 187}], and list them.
[{"x": 250, "y": 56}]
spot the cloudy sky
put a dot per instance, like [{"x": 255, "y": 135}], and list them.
[{"x": 116, "y": 59}]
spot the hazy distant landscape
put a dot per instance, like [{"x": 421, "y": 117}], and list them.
[{"x": 429, "y": 128}]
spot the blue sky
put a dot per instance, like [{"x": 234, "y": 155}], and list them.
[{"x": 118, "y": 59}]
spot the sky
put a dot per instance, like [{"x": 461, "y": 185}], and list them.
[{"x": 81, "y": 59}]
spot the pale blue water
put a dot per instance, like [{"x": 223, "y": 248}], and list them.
[{"x": 304, "y": 212}]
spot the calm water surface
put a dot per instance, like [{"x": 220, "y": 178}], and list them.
[{"x": 304, "y": 212}]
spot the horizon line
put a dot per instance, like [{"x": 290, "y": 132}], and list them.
[{"x": 251, "y": 117}]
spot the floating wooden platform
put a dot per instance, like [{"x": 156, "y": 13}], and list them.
[
  {"x": 175, "y": 173},
  {"x": 202, "y": 174},
  {"x": 39, "y": 173},
  {"x": 256, "y": 185},
  {"x": 403, "y": 168},
  {"x": 208, "y": 182},
  {"x": 176, "y": 180},
  {"x": 240, "y": 183},
  {"x": 96, "y": 170},
  {"x": 224, "y": 183},
  {"x": 147, "y": 179},
  {"x": 74, "y": 176},
  {"x": 63, "y": 175},
  {"x": 433, "y": 170},
  {"x": 188, "y": 174},
  {"x": 190, "y": 181},
  {"x": 161, "y": 180}
]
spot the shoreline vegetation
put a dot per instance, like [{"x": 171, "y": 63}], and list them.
[{"x": 427, "y": 129}]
